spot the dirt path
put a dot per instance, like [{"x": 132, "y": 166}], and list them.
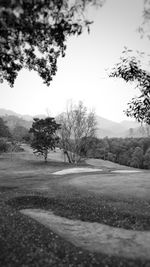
[{"x": 95, "y": 236}]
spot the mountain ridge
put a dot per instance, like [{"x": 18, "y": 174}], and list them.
[{"x": 105, "y": 126}]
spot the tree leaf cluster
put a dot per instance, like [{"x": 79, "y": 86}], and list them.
[
  {"x": 33, "y": 34},
  {"x": 129, "y": 68},
  {"x": 44, "y": 135}
]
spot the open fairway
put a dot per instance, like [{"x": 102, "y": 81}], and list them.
[
  {"x": 123, "y": 185},
  {"x": 113, "y": 200}
]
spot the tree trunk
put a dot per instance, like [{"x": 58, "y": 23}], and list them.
[
  {"x": 67, "y": 154},
  {"x": 45, "y": 156}
]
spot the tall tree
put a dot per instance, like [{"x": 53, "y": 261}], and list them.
[
  {"x": 77, "y": 125},
  {"x": 33, "y": 34},
  {"x": 45, "y": 136}
]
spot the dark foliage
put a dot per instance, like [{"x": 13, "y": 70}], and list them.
[
  {"x": 4, "y": 130},
  {"x": 33, "y": 35},
  {"x": 129, "y": 68},
  {"x": 133, "y": 152},
  {"x": 44, "y": 135},
  {"x": 4, "y": 146}
]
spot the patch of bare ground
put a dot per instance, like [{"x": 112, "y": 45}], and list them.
[
  {"x": 76, "y": 170},
  {"x": 96, "y": 237}
]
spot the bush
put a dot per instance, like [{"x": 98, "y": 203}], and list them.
[
  {"x": 146, "y": 162},
  {"x": 4, "y": 146}
]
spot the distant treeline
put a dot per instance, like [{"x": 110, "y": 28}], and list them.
[{"x": 133, "y": 152}]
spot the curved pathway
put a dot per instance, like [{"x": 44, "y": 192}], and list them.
[{"x": 96, "y": 237}]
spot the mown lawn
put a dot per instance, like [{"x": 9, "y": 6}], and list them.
[{"x": 26, "y": 182}]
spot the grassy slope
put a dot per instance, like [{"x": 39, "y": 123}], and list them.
[{"x": 27, "y": 182}]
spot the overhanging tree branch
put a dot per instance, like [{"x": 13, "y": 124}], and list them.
[
  {"x": 130, "y": 69},
  {"x": 33, "y": 34}
]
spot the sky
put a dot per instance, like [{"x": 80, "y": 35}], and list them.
[{"x": 82, "y": 72}]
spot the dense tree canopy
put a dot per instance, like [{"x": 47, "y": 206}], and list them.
[
  {"x": 133, "y": 152},
  {"x": 33, "y": 34},
  {"x": 44, "y": 136}
]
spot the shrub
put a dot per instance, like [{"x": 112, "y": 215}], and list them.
[{"x": 4, "y": 146}]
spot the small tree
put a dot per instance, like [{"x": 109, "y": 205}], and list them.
[{"x": 44, "y": 136}]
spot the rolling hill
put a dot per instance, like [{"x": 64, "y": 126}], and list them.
[{"x": 105, "y": 127}]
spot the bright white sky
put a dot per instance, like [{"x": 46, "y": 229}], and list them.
[{"x": 81, "y": 74}]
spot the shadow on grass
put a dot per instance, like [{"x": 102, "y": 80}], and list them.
[
  {"x": 90, "y": 209},
  {"x": 7, "y": 188},
  {"x": 40, "y": 163}
]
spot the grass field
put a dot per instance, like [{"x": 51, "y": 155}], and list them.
[{"x": 115, "y": 199}]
